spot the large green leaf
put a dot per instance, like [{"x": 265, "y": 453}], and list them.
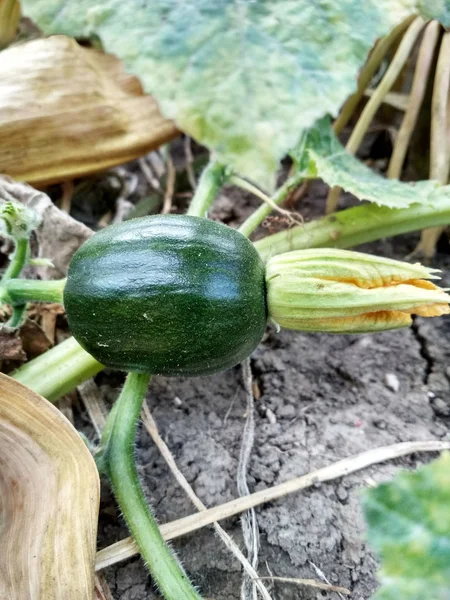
[
  {"x": 409, "y": 527},
  {"x": 243, "y": 77},
  {"x": 320, "y": 154}
]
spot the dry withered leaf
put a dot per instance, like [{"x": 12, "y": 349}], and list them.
[
  {"x": 34, "y": 340},
  {"x": 59, "y": 235},
  {"x": 67, "y": 111},
  {"x": 49, "y": 497}
]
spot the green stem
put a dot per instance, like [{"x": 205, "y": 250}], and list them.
[
  {"x": 59, "y": 370},
  {"x": 354, "y": 226},
  {"x": 33, "y": 290},
  {"x": 18, "y": 260},
  {"x": 211, "y": 180},
  {"x": 18, "y": 316},
  {"x": 119, "y": 459},
  {"x": 258, "y": 216}
]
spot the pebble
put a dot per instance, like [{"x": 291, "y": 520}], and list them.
[
  {"x": 342, "y": 493},
  {"x": 391, "y": 382},
  {"x": 271, "y": 416}
]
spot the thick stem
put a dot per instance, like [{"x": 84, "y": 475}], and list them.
[
  {"x": 119, "y": 460},
  {"x": 211, "y": 180},
  {"x": 33, "y": 290},
  {"x": 354, "y": 226},
  {"x": 18, "y": 260},
  {"x": 59, "y": 370}
]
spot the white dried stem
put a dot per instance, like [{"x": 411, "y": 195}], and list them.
[{"x": 126, "y": 548}]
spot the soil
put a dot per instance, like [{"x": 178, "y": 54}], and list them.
[{"x": 322, "y": 398}]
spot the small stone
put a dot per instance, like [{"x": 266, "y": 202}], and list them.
[
  {"x": 177, "y": 402},
  {"x": 364, "y": 342},
  {"x": 391, "y": 382},
  {"x": 342, "y": 493},
  {"x": 431, "y": 395},
  {"x": 380, "y": 423},
  {"x": 271, "y": 416}
]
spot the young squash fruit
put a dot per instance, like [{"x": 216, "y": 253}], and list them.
[{"x": 167, "y": 294}]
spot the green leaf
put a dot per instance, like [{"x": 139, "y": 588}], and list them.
[
  {"x": 243, "y": 77},
  {"x": 436, "y": 9},
  {"x": 409, "y": 527},
  {"x": 320, "y": 154}
]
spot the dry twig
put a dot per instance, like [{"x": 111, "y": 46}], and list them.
[{"x": 126, "y": 548}]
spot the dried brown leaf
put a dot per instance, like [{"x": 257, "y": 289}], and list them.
[
  {"x": 49, "y": 497},
  {"x": 67, "y": 111},
  {"x": 59, "y": 235},
  {"x": 9, "y": 21},
  {"x": 34, "y": 340}
]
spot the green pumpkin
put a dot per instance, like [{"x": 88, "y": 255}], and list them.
[{"x": 167, "y": 294}]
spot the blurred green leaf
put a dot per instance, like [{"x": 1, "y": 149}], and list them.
[
  {"x": 242, "y": 77},
  {"x": 320, "y": 154},
  {"x": 409, "y": 527},
  {"x": 436, "y": 9}
]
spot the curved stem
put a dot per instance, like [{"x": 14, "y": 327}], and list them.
[
  {"x": 33, "y": 290},
  {"x": 18, "y": 316},
  {"x": 119, "y": 460},
  {"x": 18, "y": 260},
  {"x": 211, "y": 180},
  {"x": 59, "y": 370}
]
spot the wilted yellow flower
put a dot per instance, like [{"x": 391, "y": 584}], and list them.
[{"x": 339, "y": 291}]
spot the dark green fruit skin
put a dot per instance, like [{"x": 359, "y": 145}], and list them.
[{"x": 168, "y": 295}]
